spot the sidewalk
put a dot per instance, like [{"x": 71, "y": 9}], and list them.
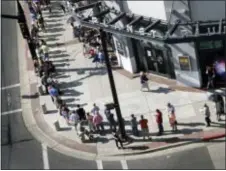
[{"x": 82, "y": 84}]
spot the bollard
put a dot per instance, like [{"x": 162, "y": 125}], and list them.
[
  {"x": 57, "y": 125},
  {"x": 40, "y": 89},
  {"x": 44, "y": 109}
]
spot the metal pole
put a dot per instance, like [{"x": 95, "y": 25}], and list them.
[{"x": 112, "y": 84}]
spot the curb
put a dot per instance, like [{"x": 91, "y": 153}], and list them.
[{"x": 207, "y": 138}]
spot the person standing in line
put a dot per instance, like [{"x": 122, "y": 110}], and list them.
[
  {"x": 172, "y": 117},
  {"x": 144, "y": 127},
  {"x": 159, "y": 121},
  {"x": 45, "y": 83},
  {"x": 81, "y": 112},
  {"x": 101, "y": 57},
  {"x": 95, "y": 109},
  {"x": 74, "y": 119},
  {"x": 98, "y": 121},
  {"x": 53, "y": 93},
  {"x": 134, "y": 125},
  {"x": 111, "y": 119},
  {"x": 117, "y": 140},
  {"x": 64, "y": 111},
  {"x": 144, "y": 81},
  {"x": 90, "y": 122},
  {"x": 45, "y": 50}
]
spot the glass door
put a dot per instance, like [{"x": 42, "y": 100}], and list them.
[{"x": 155, "y": 60}]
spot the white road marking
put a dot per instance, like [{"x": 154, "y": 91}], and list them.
[
  {"x": 11, "y": 112},
  {"x": 11, "y": 86},
  {"x": 99, "y": 164},
  {"x": 124, "y": 165},
  {"x": 45, "y": 157}
]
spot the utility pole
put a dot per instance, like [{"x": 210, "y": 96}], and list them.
[
  {"x": 23, "y": 27},
  {"x": 112, "y": 84}
]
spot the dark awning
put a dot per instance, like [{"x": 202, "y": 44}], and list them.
[
  {"x": 200, "y": 31},
  {"x": 188, "y": 32}
]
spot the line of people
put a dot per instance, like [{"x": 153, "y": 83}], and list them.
[
  {"x": 159, "y": 120},
  {"x": 44, "y": 68}
]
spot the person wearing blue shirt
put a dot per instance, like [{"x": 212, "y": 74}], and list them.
[{"x": 53, "y": 92}]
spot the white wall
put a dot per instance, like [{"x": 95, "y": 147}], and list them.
[
  {"x": 207, "y": 10},
  {"x": 126, "y": 61},
  {"x": 155, "y": 9},
  {"x": 189, "y": 78}
]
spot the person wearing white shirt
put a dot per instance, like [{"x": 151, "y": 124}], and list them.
[
  {"x": 172, "y": 117},
  {"x": 74, "y": 119},
  {"x": 45, "y": 50},
  {"x": 95, "y": 109}
]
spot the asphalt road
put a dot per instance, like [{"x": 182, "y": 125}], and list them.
[{"x": 19, "y": 149}]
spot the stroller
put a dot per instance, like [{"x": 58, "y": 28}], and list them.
[{"x": 82, "y": 132}]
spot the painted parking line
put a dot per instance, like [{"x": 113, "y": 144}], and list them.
[
  {"x": 11, "y": 86},
  {"x": 99, "y": 164},
  {"x": 45, "y": 157},
  {"x": 124, "y": 165},
  {"x": 11, "y": 112}
]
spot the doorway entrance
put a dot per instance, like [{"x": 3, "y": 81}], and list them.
[
  {"x": 212, "y": 53},
  {"x": 156, "y": 61}
]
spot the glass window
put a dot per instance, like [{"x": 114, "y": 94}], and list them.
[
  {"x": 206, "y": 45},
  {"x": 211, "y": 44}
]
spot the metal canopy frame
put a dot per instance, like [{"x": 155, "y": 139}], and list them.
[
  {"x": 116, "y": 19},
  {"x": 135, "y": 21},
  {"x": 196, "y": 35},
  {"x": 169, "y": 36},
  {"x": 152, "y": 25}
]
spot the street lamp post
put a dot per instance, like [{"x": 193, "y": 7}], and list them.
[{"x": 112, "y": 84}]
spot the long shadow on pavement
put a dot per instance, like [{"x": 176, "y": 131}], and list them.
[
  {"x": 62, "y": 60},
  {"x": 162, "y": 90},
  {"x": 218, "y": 125},
  {"x": 192, "y": 124},
  {"x": 64, "y": 55},
  {"x": 57, "y": 25},
  {"x": 54, "y": 30},
  {"x": 70, "y": 92},
  {"x": 66, "y": 85},
  {"x": 52, "y": 20}
]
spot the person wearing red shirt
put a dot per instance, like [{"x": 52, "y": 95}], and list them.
[
  {"x": 92, "y": 53},
  {"x": 159, "y": 121},
  {"x": 144, "y": 127}
]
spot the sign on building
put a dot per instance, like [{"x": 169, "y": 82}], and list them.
[{"x": 184, "y": 62}]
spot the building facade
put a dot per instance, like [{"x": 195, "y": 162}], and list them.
[{"x": 167, "y": 59}]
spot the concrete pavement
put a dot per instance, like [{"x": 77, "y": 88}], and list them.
[{"x": 84, "y": 85}]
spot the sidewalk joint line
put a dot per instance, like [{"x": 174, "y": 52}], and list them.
[
  {"x": 124, "y": 164},
  {"x": 11, "y": 112},
  {"x": 99, "y": 164},
  {"x": 45, "y": 157},
  {"x": 10, "y": 86}
]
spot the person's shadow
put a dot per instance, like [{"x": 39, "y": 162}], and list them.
[{"x": 162, "y": 90}]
